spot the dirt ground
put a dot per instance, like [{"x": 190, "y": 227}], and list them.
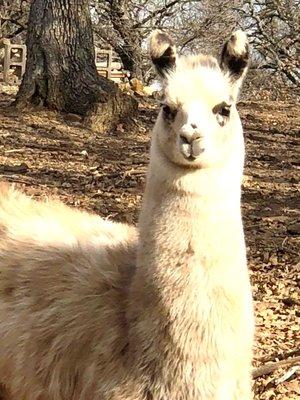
[{"x": 49, "y": 154}]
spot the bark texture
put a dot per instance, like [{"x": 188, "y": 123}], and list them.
[
  {"x": 61, "y": 71},
  {"x": 130, "y": 50}
]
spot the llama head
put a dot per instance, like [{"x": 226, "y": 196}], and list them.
[{"x": 198, "y": 124}]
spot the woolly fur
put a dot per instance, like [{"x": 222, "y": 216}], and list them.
[{"x": 89, "y": 311}]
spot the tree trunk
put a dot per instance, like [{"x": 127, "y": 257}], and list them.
[
  {"x": 131, "y": 58},
  {"x": 130, "y": 50},
  {"x": 61, "y": 71}
]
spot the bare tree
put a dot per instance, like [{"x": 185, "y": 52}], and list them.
[
  {"x": 124, "y": 24},
  {"x": 60, "y": 71},
  {"x": 274, "y": 27},
  {"x": 195, "y": 24},
  {"x": 201, "y": 26},
  {"x": 13, "y": 17}
]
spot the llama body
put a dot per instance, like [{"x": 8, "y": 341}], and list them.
[
  {"x": 56, "y": 304},
  {"x": 89, "y": 319}
]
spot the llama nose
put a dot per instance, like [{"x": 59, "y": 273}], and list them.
[
  {"x": 190, "y": 137},
  {"x": 191, "y": 144}
]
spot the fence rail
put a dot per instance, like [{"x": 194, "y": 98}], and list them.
[
  {"x": 107, "y": 62},
  {"x": 14, "y": 57}
]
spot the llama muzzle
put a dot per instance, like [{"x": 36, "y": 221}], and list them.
[{"x": 191, "y": 146}]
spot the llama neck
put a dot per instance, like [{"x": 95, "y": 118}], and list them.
[
  {"x": 199, "y": 207},
  {"x": 191, "y": 244},
  {"x": 190, "y": 226}
]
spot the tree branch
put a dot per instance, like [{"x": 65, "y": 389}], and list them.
[
  {"x": 271, "y": 367},
  {"x": 155, "y": 13}
]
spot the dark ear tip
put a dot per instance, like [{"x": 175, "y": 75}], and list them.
[
  {"x": 235, "y": 55},
  {"x": 159, "y": 41},
  {"x": 236, "y": 49},
  {"x": 162, "y": 51},
  {"x": 165, "y": 62}
]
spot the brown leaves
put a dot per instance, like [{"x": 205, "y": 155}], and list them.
[{"x": 106, "y": 174}]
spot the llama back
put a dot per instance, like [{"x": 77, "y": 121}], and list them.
[
  {"x": 61, "y": 296},
  {"x": 51, "y": 221}
]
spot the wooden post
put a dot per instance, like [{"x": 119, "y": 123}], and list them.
[
  {"x": 107, "y": 68},
  {"x": 109, "y": 62},
  {"x": 24, "y": 56},
  {"x": 8, "y": 62},
  {"x": 109, "y": 59}
]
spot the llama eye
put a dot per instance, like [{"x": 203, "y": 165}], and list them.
[
  {"x": 168, "y": 113},
  {"x": 166, "y": 109},
  {"x": 225, "y": 111},
  {"x": 222, "y": 112}
]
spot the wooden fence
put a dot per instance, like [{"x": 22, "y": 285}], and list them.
[
  {"x": 107, "y": 63},
  {"x": 14, "y": 58}
]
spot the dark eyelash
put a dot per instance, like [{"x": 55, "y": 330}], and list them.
[
  {"x": 168, "y": 112},
  {"x": 222, "y": 109},
  {"x": 225, "y": 111},
  {"x": 166, "y": 109}
]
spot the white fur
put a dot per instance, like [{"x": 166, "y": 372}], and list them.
[
  {"x": 83, "y": 316},
  {"x": 240, "y": 41}
]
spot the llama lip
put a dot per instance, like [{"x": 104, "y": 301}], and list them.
[
  {"x": 192, "y": 150},
  {"x": 197, "y": 147}
]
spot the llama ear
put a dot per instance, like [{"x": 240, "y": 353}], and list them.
[
  {"x": 162, "y": 52},
  {"x": 235, "y": 58}
]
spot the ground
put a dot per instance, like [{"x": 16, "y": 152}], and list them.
[{"x": 49, "y": 154}]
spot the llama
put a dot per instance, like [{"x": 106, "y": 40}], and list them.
[{"x": 176, "y": 322}]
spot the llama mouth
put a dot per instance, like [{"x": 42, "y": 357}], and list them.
[
  {"x": 191, "y": 158},
  {"x": 191, "y": 151}
]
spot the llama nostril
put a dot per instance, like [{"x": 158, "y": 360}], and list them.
[
  {"x": 194, "y": 126},
  {"x": 197, "y": 136},
  {"x": 184, "y": 139}
]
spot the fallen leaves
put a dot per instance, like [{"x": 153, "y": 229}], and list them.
[{"x": 106, "y": 174}]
